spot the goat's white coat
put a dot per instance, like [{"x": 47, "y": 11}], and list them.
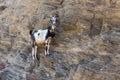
[{"x": 40, "y": 36}]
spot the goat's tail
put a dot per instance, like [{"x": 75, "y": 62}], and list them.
[{"x": 30, "y": 32}]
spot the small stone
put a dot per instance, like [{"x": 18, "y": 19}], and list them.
[
  {"x": 58, "y": 75},
  {"x": 2, "y": 66},
  {"x": 3, "y": 7}
]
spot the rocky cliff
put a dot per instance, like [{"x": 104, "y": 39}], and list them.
[{"x": 86, "y": 46}]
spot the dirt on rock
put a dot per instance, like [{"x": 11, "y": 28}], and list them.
[{"x": 86, "y": 45}]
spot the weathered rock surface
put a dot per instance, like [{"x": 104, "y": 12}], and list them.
[{"x": 86, "y": 46}]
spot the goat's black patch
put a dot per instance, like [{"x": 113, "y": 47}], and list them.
[
  {"x": 50, "y": 34},
  {"x": 32, "y": 37},
  {"x": 30, "y": 32},
  {"x": 38, "y": 33}
]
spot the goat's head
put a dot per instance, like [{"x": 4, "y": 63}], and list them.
[{"x": 53, "y": 20}]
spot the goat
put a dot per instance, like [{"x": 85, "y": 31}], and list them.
[{"x": 42, "y": 36}]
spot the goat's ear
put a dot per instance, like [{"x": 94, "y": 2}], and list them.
[
  {"x": 49, "y": 18},
  {"x": 57, "y": 16}
]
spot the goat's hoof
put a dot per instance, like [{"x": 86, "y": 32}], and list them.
[
  {"x": 33, "y": 58},
  {"x": 46, "y": 54}
]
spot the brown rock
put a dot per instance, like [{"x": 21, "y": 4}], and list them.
[
  {"x": 46, "y": 62},
  {"x": 2, "y": 66},
  {"x": 68, "y": 27},
  {"x": 3, "y": 7},
  {"x": 98, "y": 57},
  {"x": 32, "y": 78}
]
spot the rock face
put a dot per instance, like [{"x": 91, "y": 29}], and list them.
[{"x": 86, "y": 46}]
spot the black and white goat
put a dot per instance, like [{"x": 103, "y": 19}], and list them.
[{"x": 42, "y": 36}]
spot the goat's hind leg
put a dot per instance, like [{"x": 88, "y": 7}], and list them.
[{"x": 35, "y": 52}]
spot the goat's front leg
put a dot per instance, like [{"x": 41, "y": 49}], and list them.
[{"x": 46, "y": 47}]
